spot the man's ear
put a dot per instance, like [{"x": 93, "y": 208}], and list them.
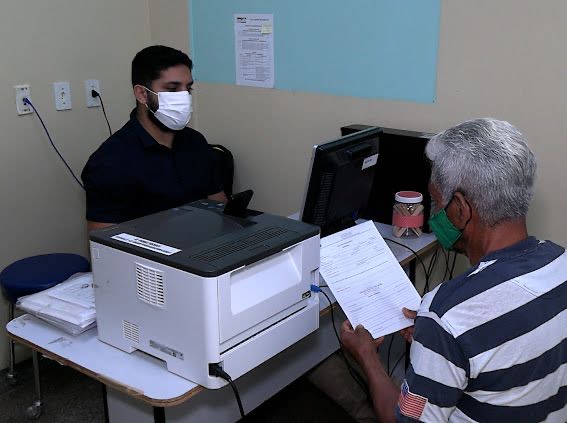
[
  {"x": 141, "y": 94},
  {"x": 463, "y": 209}
]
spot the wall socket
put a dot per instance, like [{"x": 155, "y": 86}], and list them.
[
  {"x": 22, "y": 91},
  {"x": 62, "y": 93},
  {"x": 90, "y": 85}
]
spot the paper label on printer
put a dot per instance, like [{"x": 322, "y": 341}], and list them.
[
  {"x": 370, "y": 161},
  {"x": 146, "y": 243}
]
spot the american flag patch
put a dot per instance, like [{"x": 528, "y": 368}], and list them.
[{"x": 411, "y": 405}]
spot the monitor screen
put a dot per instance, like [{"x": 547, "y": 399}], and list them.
[{"x": 340, "y": 180}]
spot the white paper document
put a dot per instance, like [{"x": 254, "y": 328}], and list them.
[
  {"x": 78, "y": 290},
  {"x": 254, "y": 49},
  {"x": 69, "y": 305},
  {"x": 367, "y": 280}
]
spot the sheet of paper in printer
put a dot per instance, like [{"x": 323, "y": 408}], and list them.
[{"x": 367, "y": 280}]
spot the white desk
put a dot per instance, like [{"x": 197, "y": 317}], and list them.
[{"x": 137, "y": 382}]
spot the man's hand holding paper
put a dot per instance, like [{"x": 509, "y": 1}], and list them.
[{"x": 358, "y": 341}]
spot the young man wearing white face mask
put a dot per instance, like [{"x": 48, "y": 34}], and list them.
[{"x": 154, "y": 162}]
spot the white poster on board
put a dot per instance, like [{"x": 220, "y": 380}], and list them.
[{"x": 254, "y": 49}]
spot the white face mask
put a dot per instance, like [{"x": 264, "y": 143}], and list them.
[{"x": 174, "y": 108}]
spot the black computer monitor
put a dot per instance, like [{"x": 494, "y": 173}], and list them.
[{"x": 340, "y": 180}]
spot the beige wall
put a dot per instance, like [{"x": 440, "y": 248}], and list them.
[
  {"x": 168, "y": 23},
  {"x": 169, "y": 26},
  {"x": 505, "y": 59},
  {"x": 42, "y": 42}
]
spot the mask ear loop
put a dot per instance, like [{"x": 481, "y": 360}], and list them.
[
  {"x": 146, "y": 103},
  {"x": 147, "y": 89},
  {"x": 468, "y": 205}
]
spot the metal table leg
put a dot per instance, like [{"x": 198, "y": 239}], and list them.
[
  {"x": 34, "y": 410},
  {"x": 11, "y": 376}
]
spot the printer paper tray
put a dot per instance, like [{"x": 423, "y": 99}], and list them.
[
  {"x": 259, "y": 348},
  {"x": 231, "y": 346}
]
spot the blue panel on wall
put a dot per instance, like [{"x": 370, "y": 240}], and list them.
[{"x": 379, "y": 49}]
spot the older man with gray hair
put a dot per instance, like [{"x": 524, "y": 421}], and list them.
[{"x": 491, "y": 344}]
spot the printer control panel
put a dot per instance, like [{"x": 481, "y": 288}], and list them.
[
  {"x": 219, "y": 207},
  {"x": 209, "y": 205}
]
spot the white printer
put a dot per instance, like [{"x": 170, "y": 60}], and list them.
[{"x": 193, "y": 286}]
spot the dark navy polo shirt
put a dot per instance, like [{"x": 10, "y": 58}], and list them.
[{"x": 132, "y": 175}]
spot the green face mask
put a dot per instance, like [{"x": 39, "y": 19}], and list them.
[{"x": 447, "y": 233}]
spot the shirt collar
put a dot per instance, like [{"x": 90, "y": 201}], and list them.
[
  {"x": 146, "y": 139},
  {"x": 514, "y": 250}
]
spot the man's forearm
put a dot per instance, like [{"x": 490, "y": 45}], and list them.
[
  {"x": 91, "y": 226},
  {"x": 383, "y": 392}
]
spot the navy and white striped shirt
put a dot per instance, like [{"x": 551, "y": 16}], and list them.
[{"x": 491, "y": 345}]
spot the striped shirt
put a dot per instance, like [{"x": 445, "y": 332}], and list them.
[{"x": 491, "y": 345}]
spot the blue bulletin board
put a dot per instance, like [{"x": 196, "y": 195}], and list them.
[{"x": 376, "y": 49}]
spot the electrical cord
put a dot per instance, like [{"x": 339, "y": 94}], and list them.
[
  {"x": 216, "y": 370},
  {"x": 432, "y": 263},
  {"x": 28, "y": 101},
  {"x": 357, "y": 378},
  {"x": 396, "y": 364},
  {"x": 453, "y": 265},
  {"x": 389, "y": 351},
  {"x": 95, "y": 94},
  {"x": 446, "y": 255},
  {"x": 426, "y": 287}
]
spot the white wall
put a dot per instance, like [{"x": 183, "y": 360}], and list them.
[{"x": 42, "y": 208}]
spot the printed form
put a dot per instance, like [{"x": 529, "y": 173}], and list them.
[
  {"x": 367, "y": 280},
  {"x": 254, "y": 49}
]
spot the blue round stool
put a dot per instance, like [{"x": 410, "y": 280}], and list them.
[{"x": 29, "y": 276}]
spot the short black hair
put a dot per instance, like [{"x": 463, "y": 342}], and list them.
[{"x": 151, "y": 61}]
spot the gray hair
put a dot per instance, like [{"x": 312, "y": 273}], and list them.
[{"x": 489, "y": 161}]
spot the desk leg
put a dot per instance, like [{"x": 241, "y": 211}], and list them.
[
  {"x": 159, "y": 415},
  {"x": 105, "y": 403},
  {"x": 11, "y": 370},
  {"x": 34, "y": 410}
]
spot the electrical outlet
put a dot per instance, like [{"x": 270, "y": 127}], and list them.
[
  {"x": 22, "y": 91},
  {"x": 90, "y": 85},
  {"x": 62, "y": 93}
]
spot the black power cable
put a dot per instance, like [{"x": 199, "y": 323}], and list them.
[
  {"x": 357, "y": 378},
  {"x": 453, "y": 265},
  {"x": 446, "y": 256},
  {"x": 432, "y": 263},
  {"x": 96, "y": 94},
  {"x": 216, "y": 370},
  {"x": 389, "y": 351},
  {"x": 28, "y": 101},
  {"x": 426, "y": 287},
  {"x": 396, "y": 364}
]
